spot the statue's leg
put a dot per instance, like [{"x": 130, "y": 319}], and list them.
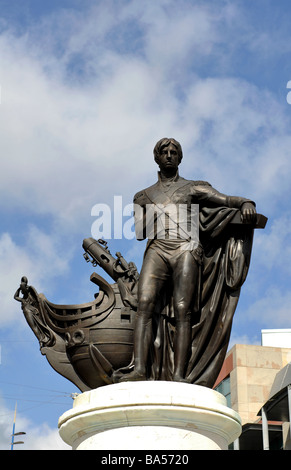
[
  {"x": 185, "y": 279},
  {"x": 154, "y": 274},
  {"x": 142, "y": 341}
]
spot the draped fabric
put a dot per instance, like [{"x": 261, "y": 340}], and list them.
[{"x": 227, "y": 251}]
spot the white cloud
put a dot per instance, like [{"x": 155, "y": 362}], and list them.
[
  {"x": 68, "y": 140},
  {"x": 271, "y": 310},
  {"x": 38, "y": 258},
  {"x": 60, "y": 143},
  {"x": 238, "y": 141},
  {"x": 43, "y": 438},
  {"x": 37, "y": 437},
  {"x": 273, "y": 247},
  {"x": 176, "y": 37}
]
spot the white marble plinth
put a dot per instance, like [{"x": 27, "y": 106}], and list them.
[{"x": 150, "y": 416}]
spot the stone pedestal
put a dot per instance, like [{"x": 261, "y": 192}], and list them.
[{"x": 150, "y": 416}]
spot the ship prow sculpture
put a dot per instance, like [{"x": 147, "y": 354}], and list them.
[
  {"x": 87, "y": 342},
  {"x": 172, "y": 321}
]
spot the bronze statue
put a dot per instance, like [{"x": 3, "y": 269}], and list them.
[
  {"x": 187, "y": 293},
  {"x": 173, "y": 320},
  {"x": 31, "y": 311}
]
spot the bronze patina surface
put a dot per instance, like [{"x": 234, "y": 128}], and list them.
[{"x": 172, "y": 321}]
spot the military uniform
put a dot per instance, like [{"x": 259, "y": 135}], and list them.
[{"x": 162, "y": 253}]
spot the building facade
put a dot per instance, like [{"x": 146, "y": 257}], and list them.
[{"x": 246, "y": 380}]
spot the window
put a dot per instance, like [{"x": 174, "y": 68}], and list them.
[{"x": 224, "y": 389}]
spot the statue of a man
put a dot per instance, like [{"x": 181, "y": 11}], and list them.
[{"x": 174, "y": 258}]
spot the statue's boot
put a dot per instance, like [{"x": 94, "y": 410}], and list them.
[
  {"x": 182, "y": 342},
  {"x": 142, "y": 340}
]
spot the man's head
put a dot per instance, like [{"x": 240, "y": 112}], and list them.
[{"x": 165, "y": 142}]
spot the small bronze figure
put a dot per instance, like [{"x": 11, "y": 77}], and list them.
[{"x": 30, "y": 308}]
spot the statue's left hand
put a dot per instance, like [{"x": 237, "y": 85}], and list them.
[{"x": 248, "y": 212}]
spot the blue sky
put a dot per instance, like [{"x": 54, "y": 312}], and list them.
[{"x": 87, "y": 89}]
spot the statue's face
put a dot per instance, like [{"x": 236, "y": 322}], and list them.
[{"x": 168, "y": 158}]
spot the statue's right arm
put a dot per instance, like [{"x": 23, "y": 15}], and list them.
[{"x": 16, "y": 295}]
